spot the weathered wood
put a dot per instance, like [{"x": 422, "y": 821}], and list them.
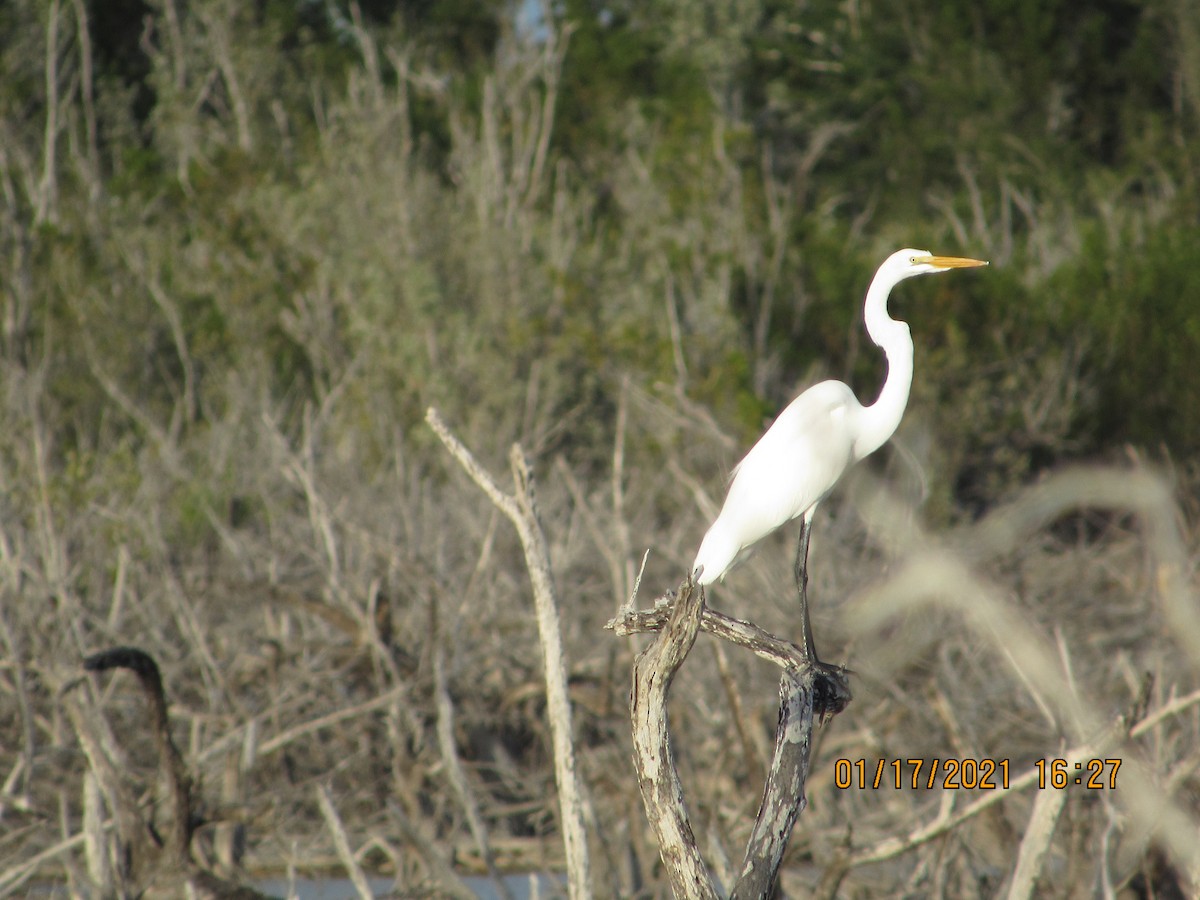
[
  {"x": 783, "y": 797},
  {"x": 653, "y": 671},
  {"x": 831, "y": 689},
  {"x": 806, "y": 690},
  {"x": 521, "y": 509}
]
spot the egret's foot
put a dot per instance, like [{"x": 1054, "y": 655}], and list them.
[{"x": 831, "y": 688}]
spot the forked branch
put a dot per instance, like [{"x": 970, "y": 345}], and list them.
[
  {"x": 804, "y": 691},
  {"x": 832, "y": 693}
]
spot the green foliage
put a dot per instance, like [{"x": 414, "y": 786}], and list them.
[
  {"x": 619, "y": 61},
  {"x": 244, "y": 247},
  {"x": 1138, "y": 299},
  {"x": 316, "y": 200}
]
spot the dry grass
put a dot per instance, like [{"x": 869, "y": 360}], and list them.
[{"x": 1062, "y": 625}]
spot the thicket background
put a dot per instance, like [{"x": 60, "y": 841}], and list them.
[{"x": 244, "y": 246}]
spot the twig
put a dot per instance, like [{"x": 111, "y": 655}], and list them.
[
  {"x": 1047, "y": 807},
  {"x": 1176, "y": 706},
  {"x": 637, "y": 584},
  {"x": 96, "y": 849},
  {"x": 454, "y": 771},
  {"x": 284, "y": 738},
  {"x": 616, "y": 565},
  {"x": 741, "y": 726},
  {"x": 12, "y": 878},
  {"x": 342, "y": 843}
]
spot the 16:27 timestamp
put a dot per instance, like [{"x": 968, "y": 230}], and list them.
[{"x": 1089, "y": 773}]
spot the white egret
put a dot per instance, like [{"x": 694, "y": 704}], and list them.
[{"x": 820, "y": 435}]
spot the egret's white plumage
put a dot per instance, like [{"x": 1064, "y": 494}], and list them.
[{"x": 821, "y": 433}]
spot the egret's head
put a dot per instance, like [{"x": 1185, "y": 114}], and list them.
[{"x": 909, "y": 262}]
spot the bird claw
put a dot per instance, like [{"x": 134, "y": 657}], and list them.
[{"x": 831, "y": 688}]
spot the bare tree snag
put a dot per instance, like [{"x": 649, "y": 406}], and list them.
[
  {"x": 662, "y": 793},
  {"x": 521, "y": 510},
  {"x": 805, "y": 692}
]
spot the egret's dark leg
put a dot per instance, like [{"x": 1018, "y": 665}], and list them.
[
  {"x": 801, "y": 572},
  {"x": 832, "y": 689}
]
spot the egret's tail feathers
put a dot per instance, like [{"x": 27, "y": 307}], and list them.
[{"x": 716, "y": 555}]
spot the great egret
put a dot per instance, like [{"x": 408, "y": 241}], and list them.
[{"x": 820, "y": 435}]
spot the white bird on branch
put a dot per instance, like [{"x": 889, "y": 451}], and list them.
[{"x": 820, "y": 435}]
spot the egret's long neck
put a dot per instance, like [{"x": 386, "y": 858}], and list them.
[{"x": 881, "y": 418}]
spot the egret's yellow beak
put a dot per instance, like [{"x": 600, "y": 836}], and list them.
[{"x": 951, "y": 262}]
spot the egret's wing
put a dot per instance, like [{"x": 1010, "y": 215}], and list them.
[
  {"x": 793, "y": 465},
  {"x": 796, "y": 463}
]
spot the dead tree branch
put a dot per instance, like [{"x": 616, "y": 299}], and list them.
[
  {"x": 804, "y": 692},
  {"x": 783, "y": 798},
  {"x": 662, "y": 793},
  {"x": 832, "y": 694},
  {"x": 521, "y": 510}
]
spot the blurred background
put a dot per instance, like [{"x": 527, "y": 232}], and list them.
[{"x": 244, "y": 246}]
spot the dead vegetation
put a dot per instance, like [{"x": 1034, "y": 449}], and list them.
[
  {"x": 215, "y": 366},
  {"x": 405, "y": 711}
]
